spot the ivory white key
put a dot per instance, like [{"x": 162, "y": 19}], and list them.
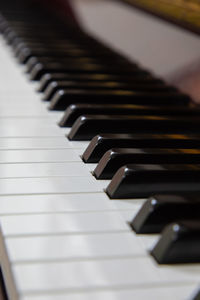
[
  {"x": 43, "y": 169},
  {"x": 16, "y": 127},
  {"x": 134, "y": 272},
  {"x": 73, "y": 247},
  {"x": 39, "y": 143},
  {"x": 34, "y": 156},
  {"x": 178, "y": 292},
  {"x": 56, "y": 185},
  {"x": 30, "y": 204},
  {"x": 62, "y": 223}
]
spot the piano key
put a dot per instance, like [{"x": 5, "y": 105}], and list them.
[
  {"x": 75, "y": 61},
  {"x": 96, "y": 274},
  {"x": 41, "y": 69},
  {"x": 62, "y": 223},
  {"x": 54, "y": 86},
  {"x": 158, "y": 292},
  {"x": 140, "y": 181},
  {"x": 49, "y": 169},
  {"x": 74, "y": 111},
  {"x": 69, "y": 247},
  {"x": 36, "y": 156},
  {"x": 113, "y": 159},
  {"x": 160, "y": 210},
  {"x": 61, "y": 203},
  {"x": 88, "y": 126},
  {"x": 102, "y": 143},
  {"x": 134, "y": 78},
  {"x": 39, "y": 143},
  {"x": 28, "y": 127},
  {"x": 63, "y": 98},
  {"x": 179, "y": 243},
  {"x": 49, "y": 185}
]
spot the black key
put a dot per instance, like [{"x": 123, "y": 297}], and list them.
[
  {"x": 160, "y": 210},
  {"x": 74, "y": 111},
  {"x": 196, "y": 296},
  {"x": 102, "y": 143},
  {"x": 114, "y": 159},
  {"x": 87, "y": 126},
  {"x": 179, "y": 243},
  {"x": 143, "y": 181},
  {"x": 54, "y": 86},
  {"x": 40, "y": 69},
  {"x": 136, "y": 78},
  {"x": 26, "y": 53},
  {"x": 63, "y": 98},
  {"x": 65, "y": 61}
]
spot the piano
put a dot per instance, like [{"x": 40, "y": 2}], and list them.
[{"x": 99, "y": 153}]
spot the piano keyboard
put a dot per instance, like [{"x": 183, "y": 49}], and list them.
[{"x": 62, "y": 237}]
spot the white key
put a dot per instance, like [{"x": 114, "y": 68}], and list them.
[
  {"x": 43, "y": 170},
  {"x": 134, "y": 272},
  {"x": 62, "y": 223},
  {"x": 56, "y": 185},
  {"x": 36, "y": 156},
  {"x": 16, "y": 127},
  {"x": 20, "y": 204},
  {"x": 39, "y": 143},
  {"x": 178, "y": 292},
  {"x": 73, "y": 247}
]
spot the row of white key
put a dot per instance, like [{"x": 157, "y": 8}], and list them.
[{"x": 64, "y": 238}]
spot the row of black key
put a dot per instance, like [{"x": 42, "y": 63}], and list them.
[{"x": 145, "y": 134}]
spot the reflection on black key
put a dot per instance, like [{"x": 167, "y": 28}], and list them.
[
  {"x": 142, "y": 181},
  {"x": 86, "y": 127},
  {"x": 136, "y": 78},
  {"x": 102, "y": 143},
  {"x": 40, "y": 69},
  {"x": 179, "y": 243},
  {"x": 113, "y": 159},
  {"x": 74, "y": 111},
  {"x": 107, "y": 85},
  {"x": 63, "y": 98},
  {"x": 160, "y": 210}
]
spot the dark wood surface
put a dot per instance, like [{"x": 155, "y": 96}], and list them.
[{"x": 183, "y": 13}]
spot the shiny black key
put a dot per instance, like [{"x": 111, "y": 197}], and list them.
[
  {"x": 40, "y": 69},
  {"x": 110, "y": 85},
  {"x": 61, "y": 99},
  {"x": 65, "y": 61},
  {"x": 143, "y": 181},
  {"x": 179, "y": 243},
  {"x": 160, "y": 210},
  {"x": 114, "y": 159},
  {"x": 87, "y": 126},
  {"x": 136, "y": 78},
  {"x": 74, "y": 111},
  {"x": 102, "y": 143}
]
